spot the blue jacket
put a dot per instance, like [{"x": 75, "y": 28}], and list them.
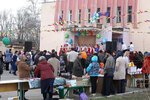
[
  {"x": 93, "y": 68},
  {"x": 8, "y": 57}
]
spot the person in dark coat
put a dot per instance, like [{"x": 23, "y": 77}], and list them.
[
  {"x": 108, "y": 87},
  {"x": 1, "y": 59},
  {"x": 77, "y": 66},
  {"x": 47, "y": 77},
  {"x": 14, "y": 65}
]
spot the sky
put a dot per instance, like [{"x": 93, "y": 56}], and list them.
[
  {"x": 14, "y": 4},
  {"x": 11, "y": 4}
]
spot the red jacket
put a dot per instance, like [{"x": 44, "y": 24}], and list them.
[
  {"x": 46, "y": 70},
  {"x": 146, "y": 65}
]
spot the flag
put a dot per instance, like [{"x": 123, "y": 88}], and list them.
[
  {"x": 94, "y": 17},
  {"x": 100, "y": 14},
  {"x": 61, "y": 21},
  {"x": 107, "y": 13}
]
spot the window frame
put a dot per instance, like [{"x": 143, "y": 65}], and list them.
[
  {"x": 108, "y": 19},
  {"x": 79, "y": 15},
  {"x": 119, "y": 14},
  {"x": 129, "y": 14},
  {"x": 89, "y": 15},
  {"x": 98, "y": 11}
]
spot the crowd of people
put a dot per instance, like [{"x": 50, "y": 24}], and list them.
[{"x": 48, "y": 65}]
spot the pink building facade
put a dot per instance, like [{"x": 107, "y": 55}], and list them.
[
  {"x": 124, "y": 24},
  {"x": 81, "y": 11},
  {"x": 102, "y": 6}
]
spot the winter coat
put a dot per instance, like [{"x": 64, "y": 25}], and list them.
[
  {"x": 77, "y": 68},
  {"x": 93, "y": 68},
  {"x": 120, "y": 68},
  {"x": 23, "y": 69},
  {"x": 146, "y": 65},
  {"x": 46, "y": 70},
  {"x": 110, "y": 63},
  {"x": 56, "y": 65},
  {"x": 8, "y": 57},
  {"x": 101, "y": 57},
  {"x": 14, "y": 65}
]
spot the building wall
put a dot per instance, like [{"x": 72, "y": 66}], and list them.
[
  {"x": 141, "y": 40},
  {"x": 49, "y": 40}
]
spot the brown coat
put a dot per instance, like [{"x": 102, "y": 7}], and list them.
[{"x": 23, "y": 69}]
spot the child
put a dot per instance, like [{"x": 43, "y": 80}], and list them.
[
  {"x": 93, "y": 71},
  {"x": 62, "y": 65}
]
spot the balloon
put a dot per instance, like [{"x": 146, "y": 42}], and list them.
[
  {"x": 104, "y": 40},
  {"x": 98, "y": 35},
  {"x": 83, "y": 34},
  {"x": 70, "y": 41},
  {"x": 6, "y": 41},
  {"x": 78, "y": 34},
  {"x": 66, "y": 35}
]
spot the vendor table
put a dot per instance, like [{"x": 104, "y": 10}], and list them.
[
  {"x": 99, "y": 83},
  {"x": 131, "y": 77},
  {"x": 14, "y": 85},
  {"x": 78, "y": 89}
]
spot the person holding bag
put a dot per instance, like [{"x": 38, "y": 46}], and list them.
[{"x": 93, "y": 71}]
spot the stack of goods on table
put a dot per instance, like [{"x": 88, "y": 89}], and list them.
[{"x": 133, "y": 69}]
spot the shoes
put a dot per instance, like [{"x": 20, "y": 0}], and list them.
[
  {"x": 9, "y": 72},
  {"x": 26, "y": 99},
  {"x": 55, "y": 93},
  {"x": 93, "y": 94},
  {"x": 0, "y": 96},
  {"x": 14, "y": 73}
]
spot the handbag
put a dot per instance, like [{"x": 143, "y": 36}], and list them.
[{"x": 110, "y": 72}]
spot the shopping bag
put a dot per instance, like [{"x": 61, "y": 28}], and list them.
[{"x": 83, "y": 96}]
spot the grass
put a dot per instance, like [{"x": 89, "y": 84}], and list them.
[{"x": 133, "y": 96}]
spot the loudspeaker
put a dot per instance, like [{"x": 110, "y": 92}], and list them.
[
  {"x": 112, "y": 46},
  {"x": 28, "y": 46}
]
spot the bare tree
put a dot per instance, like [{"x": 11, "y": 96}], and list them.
[{"x": 26, "y": 22}]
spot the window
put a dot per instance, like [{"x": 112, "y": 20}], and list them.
[
  {"x": 70, "y": 15},
  {"x": 108, "y": 19},
  {"x": 79, "y": 12},
  {"x": 98, "y": 11},
  {"x": 118, "y": 14},
  {"x": 89, "y": 15},
  {"x": 62, "y": 14},
  {"x": 129, "y": 14}
]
